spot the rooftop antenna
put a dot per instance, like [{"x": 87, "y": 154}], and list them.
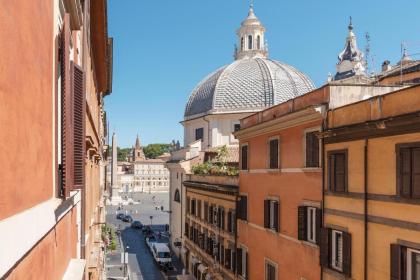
[
  {"x": 370, "y": 58},
  {"x": 401, "y": 61}
]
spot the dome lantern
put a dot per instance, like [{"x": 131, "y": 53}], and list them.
[{"x": 251, "y": 41}]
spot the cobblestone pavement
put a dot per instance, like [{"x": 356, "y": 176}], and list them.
[{"x": 141, "y": 264}]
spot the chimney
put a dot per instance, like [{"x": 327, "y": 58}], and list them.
[{"x": 386, "y": 65}]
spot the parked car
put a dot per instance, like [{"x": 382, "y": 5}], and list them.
[
  {"x": 120, "y": 216},
  {"x": 127, "y": 219},
  {"x": 162, "y": 255},
  {"x": 137, "y": 225}
]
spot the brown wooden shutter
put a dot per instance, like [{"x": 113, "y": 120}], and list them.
[
  {"x": 79, "y": 112},
  {"x": 312, "y": 149},
  {"x": 67, "y": 118},
  {"x": 186, "y": 230},
  {"x": 233, "y": 260},
  {"x": 302, "y": 230},
  {"x": 266, "y": 213},
  {"x": 227, "y": 258},
  {"x": 340, "y": 167},
  {"x": 219, "y": 217},
  {"x": 415, "y": 167},
  {"x": 211, "y": 214},
  {"x": 318, "y": 217},
  {"x": 331, "y": 172},
  {"x": 229, "y": 221},
  {"x": 199, "y": 209},
  {"x": 274, "y": 153},
  {"x": 188, "y": 205},
  {"x": 276, "y": 215},
  {"x": 324, "y": 248},
  {"x": 405, "y": 172},
  {"x": 347, "y": 254},
  {"x": 222, "y": 220},
  {"x": 396, "y": 262},
  {"x": 239, "y": 261},
  {"x": 244, "y": 157},
  {"x": 222, "y": 254}
]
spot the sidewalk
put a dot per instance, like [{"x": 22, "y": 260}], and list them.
[{"x": 113, "y": 267}]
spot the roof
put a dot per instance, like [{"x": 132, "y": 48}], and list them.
[
  {"x": 246, "y": 85},
  {"x": 232, "y": 153}
]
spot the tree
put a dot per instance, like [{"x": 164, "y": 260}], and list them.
[
  {"x": 155, "y": 150},
  {"x": 122, "y": 153}
]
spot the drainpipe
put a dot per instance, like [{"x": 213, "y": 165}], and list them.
[
  {"x": 182, "y": 202},
  {"x": 366, "y": 209},
  {"x": 235, "y": 235},
  {"x": 323, "y": 126}
]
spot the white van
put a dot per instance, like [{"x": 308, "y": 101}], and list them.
[{"x": 162, "y": 254}]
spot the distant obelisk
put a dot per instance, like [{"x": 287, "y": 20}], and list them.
[{"x": 114, "y": 165}]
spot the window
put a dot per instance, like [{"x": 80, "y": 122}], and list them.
[
  {"x": 273, "y": 153},
  {"x": 199, "y": 209},
  {"x": 236, "y": 127},
  {"x": 241, "y": 262},
  {"x": 244, "y": 157},
  {"x": 177, "y": 196},
  {"x": 199, "y": 134},
  {"x": 309, "y": 223},
  {"x": 242, "y": 207},
  {"x": 335, "y": 250},
  {"x": 337, "y": 168},
  {"x": 271, "y": 214},
  {"x": 312, "y": 149},
  {"x": 405, "y": 262},
  {"x": 270, "y": 271},
  {"x": 249, "y": 42},
  {"x": 231, "y": 221},
  {"x": 188, "y": 205},
  {"x": 206, "y": 211},
  {"x": 259, "y": 42},
  {"x": 242, "y": 44},
  {"x": 408, "y": 170}
]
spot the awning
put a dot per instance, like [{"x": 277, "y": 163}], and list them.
[
  {"x": 202, "y": 268},
  {"x": 75, "y": 270}
]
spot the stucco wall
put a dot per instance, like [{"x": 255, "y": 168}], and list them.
[
  {"x": 26, "y": 98},
  {"x": 293, "y": 185}
]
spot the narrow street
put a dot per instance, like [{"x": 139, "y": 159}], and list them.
[{"x": 141, "y": 264}]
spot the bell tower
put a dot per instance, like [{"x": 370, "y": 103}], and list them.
[
  {"x": 251, "y": 42},
  {"x": 138, "y": 153}
]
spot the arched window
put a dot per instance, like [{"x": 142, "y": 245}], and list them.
[
  {"x": 250, "y": 42},
  {"x": 242, "y": 44},
  {"x": 258, "y": 42},
  {"x": 176, "y": 196}
]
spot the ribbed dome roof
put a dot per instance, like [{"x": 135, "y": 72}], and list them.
[{"x": 246, "y": 85}]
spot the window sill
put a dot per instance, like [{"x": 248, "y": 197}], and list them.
[
  {"x": 335, "y": 273},
  {"x": 312, "y": 169},
  {"x": 310, "y": 244},
  {"x": 272, "y": 231}
]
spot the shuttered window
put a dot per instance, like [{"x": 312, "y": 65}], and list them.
[
  {"x": 188, "y": 206},
  {"x": 270, "y": 271},
  {"x": 242, "y": 207},
  {"x": 271, "y": 214},
  {"x": 408, "y": 170},
  {"x": 273, "y": 146},
  {"x": 337, "y": 171},
  {"x": 199, "y": 209},
  {"x": 405, "y": 262},
  {"x": 309, "y": 223},
  {"x": 206, "y": 211},
  {"x": 244, "y": 157},
  {"x": 242, "y": 262},
  {"x": 312, "y": 149},
  {"x": 335, "y": 250},
  {"x": 71, "y": 118}
]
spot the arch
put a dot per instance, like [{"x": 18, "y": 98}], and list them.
[
  {"x": 259, "y": 42},
  {"x": 250, "y": 42},
  {"x": 177, "y": 196},
  {"x": 242, "y": 44}
]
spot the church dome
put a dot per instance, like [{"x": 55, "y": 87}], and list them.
[
  {"x": 251, "y": 83},
  {"x": 247, "y": 85}
]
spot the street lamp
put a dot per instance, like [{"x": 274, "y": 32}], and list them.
[{"x": 151, "y": 218}]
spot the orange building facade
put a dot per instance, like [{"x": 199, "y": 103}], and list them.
[
  {"x": 279, "y": 216},
  {"x": 55, "y": 72}
]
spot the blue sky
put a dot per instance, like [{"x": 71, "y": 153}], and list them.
[{"x": 163, "y": 48}]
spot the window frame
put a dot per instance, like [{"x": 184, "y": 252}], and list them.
[
  {"x": 311, "y": 224},
  {"x": 329, "y": 168},
  {"x": 305, "y": 132},
  {"x": 274, "y": 265},
  {"x": 177, "y": 196},
  {"x": 247, "y": 157},
  {"x": 410, "y": 268},
  {"x": 398, "y": 148},
  {"x": 273, "y": 138},
  {"x": 250, "y": 42},
  {"x": 336, "y": 264}
]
